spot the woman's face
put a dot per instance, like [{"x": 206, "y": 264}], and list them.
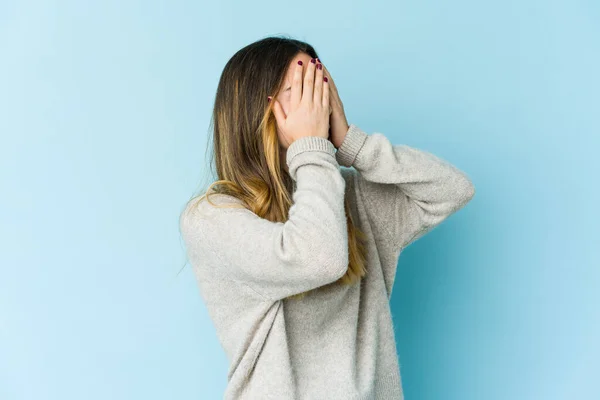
[{"x": 284, "y": 96}]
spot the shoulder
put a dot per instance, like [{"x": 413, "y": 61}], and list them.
[{"x": 201, "y": 209}]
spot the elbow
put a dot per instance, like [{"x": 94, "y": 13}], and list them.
[
  {"x": 340, "y": 260},
  {"x": 431, "y": 214},
  {"x": 468, "y": 190},
  {"x": 465, "y": 191},
  {"x": 332, "y": 260},
  {"x": 461, "y": 192}
]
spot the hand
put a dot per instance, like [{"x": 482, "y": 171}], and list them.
[
  {"x": 337, "y": 121},
  {"x": 308, "y": 114}
]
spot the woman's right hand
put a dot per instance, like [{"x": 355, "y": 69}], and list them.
[{"x": 308, "y": 114}]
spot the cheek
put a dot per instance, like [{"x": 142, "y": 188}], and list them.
[{"x": 284, "y": 100}]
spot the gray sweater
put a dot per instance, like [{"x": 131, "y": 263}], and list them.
[{"x": 338, "y": 341}]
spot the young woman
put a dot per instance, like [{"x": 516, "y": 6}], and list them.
[{"x": 294, "y": 255}]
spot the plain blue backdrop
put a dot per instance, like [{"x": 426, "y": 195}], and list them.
[{"x": 104, "y": 113}]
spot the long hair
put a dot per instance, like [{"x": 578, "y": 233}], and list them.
[{"x": 247, "y": 154}]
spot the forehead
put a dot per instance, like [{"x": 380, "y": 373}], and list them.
[{"x": 305, "y": 58}]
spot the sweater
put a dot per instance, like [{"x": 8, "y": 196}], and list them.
[{"x": 338, "y": 341}]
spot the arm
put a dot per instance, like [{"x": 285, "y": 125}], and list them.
[
  {"x": 279, "y": 259},
  {"x": 407, "y": 191}
]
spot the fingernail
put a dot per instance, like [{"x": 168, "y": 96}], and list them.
[
  {"x": 269, "y": 99},
  {"x": 325, "y": 79},
  {"x": 312, "y": 60},
  {"x": 299, "y": 62},
  {"x": 320, "y": 66}
]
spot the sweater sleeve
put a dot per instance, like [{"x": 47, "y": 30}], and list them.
[
  {"x": 407, "y": 191},
  {"x": 280, "y": 259}
]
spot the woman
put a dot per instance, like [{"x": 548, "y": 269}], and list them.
[{"x": 295, "y": 256}]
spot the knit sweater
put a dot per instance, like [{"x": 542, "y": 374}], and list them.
[{"x": 338, "y": 341}]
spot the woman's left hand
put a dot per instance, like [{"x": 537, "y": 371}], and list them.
[{"x": 338, "y": 124}]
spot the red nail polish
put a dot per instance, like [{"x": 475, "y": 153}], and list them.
[
  {"x": 299, "y": 62},
  {"x": 268, "y": 99},
  {"x": 320, "y": 66},
  {"x": 312, "y": 60},
  {"x": 325, "y": 79}
]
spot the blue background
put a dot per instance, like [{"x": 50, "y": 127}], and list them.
[{"x": 104, "y": 113}]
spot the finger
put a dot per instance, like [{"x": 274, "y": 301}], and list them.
[
  {"x": 309, "y": 82},
  {"x": 326, "y": 94},
  {"x": 318, "y": 91},
  {"x": 279, "y": 113},
  {"x": 333, "y": 88},
  {"x": 296, "y": 86},
  {"x": 334, "y": 96}
]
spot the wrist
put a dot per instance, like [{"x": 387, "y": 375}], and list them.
[{"x": 354, "y": 140}]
